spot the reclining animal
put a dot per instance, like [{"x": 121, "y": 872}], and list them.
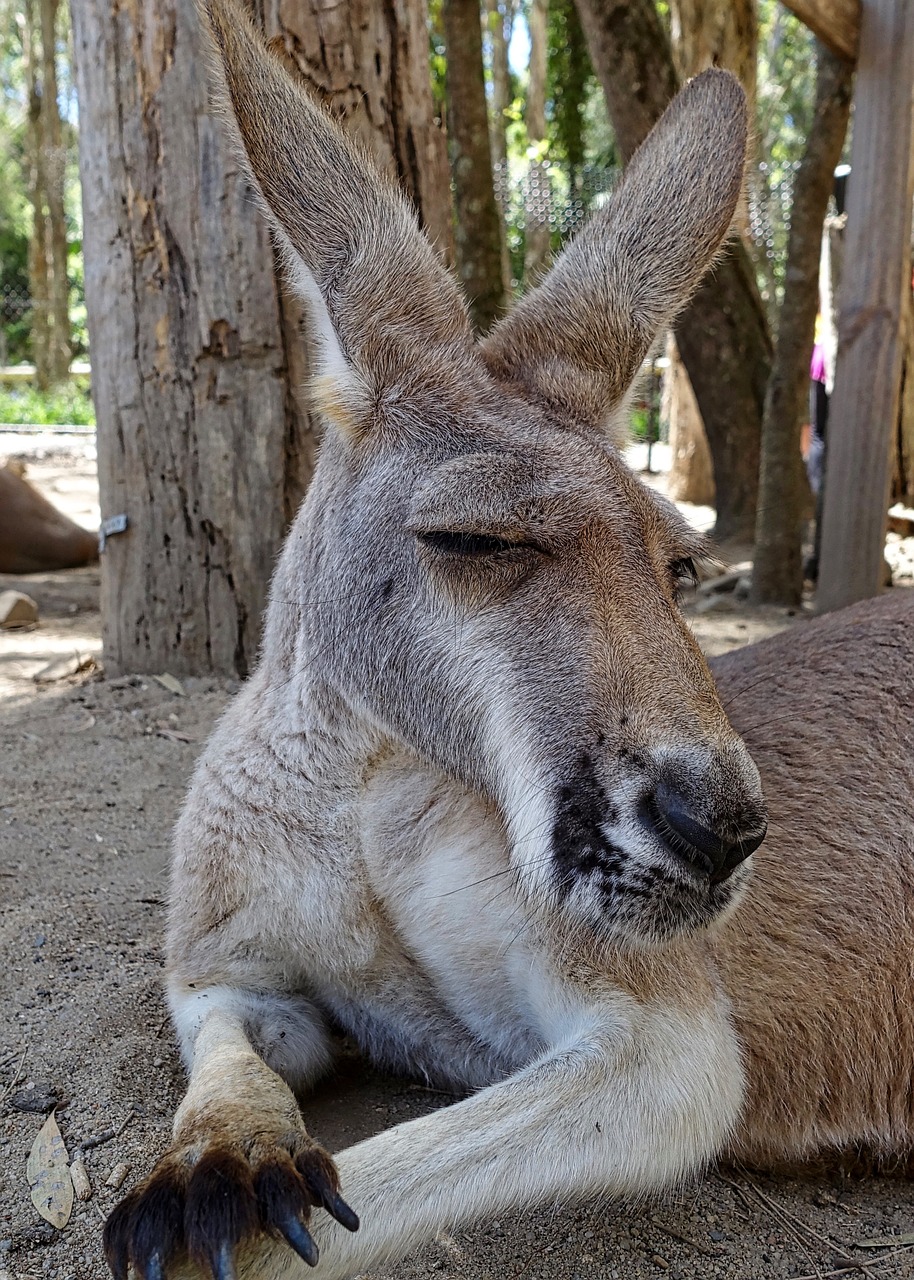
[
  {"x": 34, "y": 536},
  {"x": 481, "y": 805}
]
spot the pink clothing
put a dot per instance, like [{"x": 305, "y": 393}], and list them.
[{"x": 817, "y": 365}]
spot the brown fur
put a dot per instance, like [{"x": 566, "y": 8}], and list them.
[
  {"x": 819, "y": 960},
  {"x": 34, "y": 536}
]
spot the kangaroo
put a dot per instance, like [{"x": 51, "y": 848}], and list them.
[
  {"x": 34, "y": 535},
  {"x": 480, "y": 805}
]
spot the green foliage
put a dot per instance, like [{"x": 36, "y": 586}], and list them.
[
  {"x": 568, "y": 78},
  {"x": 16, "y": 217},
  {"x": 437, "y": 53},
  {"x": 786, "y": 87},
  {"x": 70, "y": 404},
  {"x": 785, "y": 104}
]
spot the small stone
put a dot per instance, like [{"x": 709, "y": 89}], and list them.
[
  {"x": 17, "y": 610},
  {"x": 39, "y": 1098}
]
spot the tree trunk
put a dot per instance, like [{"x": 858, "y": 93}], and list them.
[
  {"x": 538, "y": 203},
  {"x": 478, "y": 232},
  {"x": 723, "y": 33},
  {"x": 723, "y": 333},
  {"x": 692, "y": 471},
  {"x": 39, "y": 271},
  {"x": 370, "y": 65},
  {"x": 705, "y": 33},
  {"x": 202, "y": 442},
  {"x": 55, "y": 177},
  {"x": 498, "y": 28},
  {"x": 876, "y": 278},
  {"x": 783, "y": 492},
  {"x": 835, "y": 22}
]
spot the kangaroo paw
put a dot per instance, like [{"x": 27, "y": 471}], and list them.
[{"x": 202, "y": 1202}]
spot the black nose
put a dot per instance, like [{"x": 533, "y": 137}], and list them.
[{"x": 703, "y": 849}]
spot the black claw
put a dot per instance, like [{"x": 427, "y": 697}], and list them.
[
  {"x": 224, "y": 1264},
  {"x": 219, "y": 1211},
  {"x": 116, "y": 1237},
  {"x": 156, "y": 1225},
  {"x": 155, "y": 1269},
  {"x": 300, "y": 1239},
  {"x": 339, "y": 1209}
]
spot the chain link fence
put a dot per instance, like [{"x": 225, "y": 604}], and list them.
[{"x": 546, "y": 194}]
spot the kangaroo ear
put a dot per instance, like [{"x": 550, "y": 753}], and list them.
[
  {"x": 577, "y": 340},
  {"x": 379, "y": 296}
]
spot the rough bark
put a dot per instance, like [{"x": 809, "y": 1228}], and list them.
[
  {"x": 55, "y": 177},
  {"x": 369, "y": 63},
  {"x": 705, "y": 33},
  {"x": 196, "y": 359},
  {"x": 835, "y": 22},
  {"x": 692, "y": 471},
  {"x": 538, "y": 203},
  {"x": 46, "y": 158},
  {"x": 877, "y": 275},
  {"x": 783, "y": 492},
  {"x": 723, "y": 333},
  {"x": 478, "y": 231},
  {"x": 498, "y": 23},
  {"x": 39, "y": 284},
  {"x": 722, "y": 33}
]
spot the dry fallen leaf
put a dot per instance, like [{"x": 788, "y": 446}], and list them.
[
  {"x": 49, "y": 1175},
  {"x": 61, "y": 668},
  {"x": 171, "y": 684}
]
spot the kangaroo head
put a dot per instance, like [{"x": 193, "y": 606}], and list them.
[{"x": 478, "y": 573}]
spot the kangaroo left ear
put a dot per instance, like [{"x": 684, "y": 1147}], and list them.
[
  {"x": 385, "y": 313},
  {"x": 576, "y": 342}
]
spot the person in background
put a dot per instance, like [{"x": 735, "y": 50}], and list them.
[{"x": 815, "y": 456}]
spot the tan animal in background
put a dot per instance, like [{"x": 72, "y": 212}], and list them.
[
  {"x": 34, "y": 536},
  {"x": 480, "y": 806}
]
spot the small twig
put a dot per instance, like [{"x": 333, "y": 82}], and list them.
[
  {"x": 18, "y": 1074},
  {"x": 859, "y": 1264},
  {"x": 693, "y": 1244},
  {"x": 99, "y": 1140},
  {"x": 787, "y": 1222},
  {"x": 526, "y": 1265}
]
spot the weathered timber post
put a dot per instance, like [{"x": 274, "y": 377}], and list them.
[
  {"x": 877, "y": 270},
  {"x": 204, "y": 443}
]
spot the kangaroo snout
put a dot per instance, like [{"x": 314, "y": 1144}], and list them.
[
  {"x": 650, "y": 850},
  {"x": 712, "y": 849}
]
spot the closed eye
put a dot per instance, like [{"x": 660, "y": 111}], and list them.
[{"x": 453, "y": 543}]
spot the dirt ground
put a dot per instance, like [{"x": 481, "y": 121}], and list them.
[{"x": 92, "y": 772}]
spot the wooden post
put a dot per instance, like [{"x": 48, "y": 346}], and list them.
[
  {"x": 864, "y": 404},
  {"x": 204, "y": 445}
]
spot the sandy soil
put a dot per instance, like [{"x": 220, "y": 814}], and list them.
[{"x": 91, "y": 774}]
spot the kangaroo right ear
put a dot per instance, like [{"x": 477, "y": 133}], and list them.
[
  {"x": 380, "y": 299},
  {"x": 577, "y": 341}
]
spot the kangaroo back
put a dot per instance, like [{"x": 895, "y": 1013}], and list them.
[{"x": 819, "y": 959}]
